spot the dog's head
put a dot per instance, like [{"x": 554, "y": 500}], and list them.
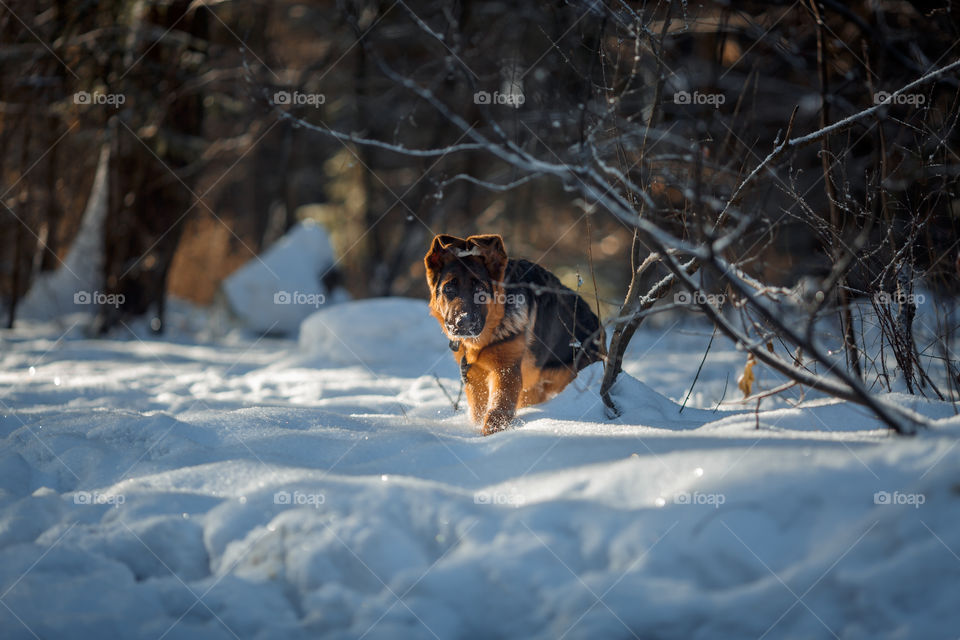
[{"x": 465, "y": 276}]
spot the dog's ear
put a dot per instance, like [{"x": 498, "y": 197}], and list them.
[
  {"x": 441, "y": 252},
  {"x": 493, "y": 252}
]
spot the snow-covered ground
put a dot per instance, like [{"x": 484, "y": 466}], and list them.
[{"x": 327, "y": 489}]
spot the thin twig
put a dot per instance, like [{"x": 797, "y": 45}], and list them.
[{"x": 699, "y": 369}]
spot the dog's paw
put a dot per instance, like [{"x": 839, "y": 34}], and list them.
[{"x": 496, "y": 420}]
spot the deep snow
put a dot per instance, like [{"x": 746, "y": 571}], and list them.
[{"x": 275, "y": 489}]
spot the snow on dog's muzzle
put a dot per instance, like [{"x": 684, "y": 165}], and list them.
[{"x": 465, "y": 325}]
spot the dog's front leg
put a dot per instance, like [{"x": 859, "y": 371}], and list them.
[
  {"x": 505, "y": 383},
  {"x": 478, "y": 396}
]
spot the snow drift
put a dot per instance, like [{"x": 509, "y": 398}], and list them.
[{"x": 328, "y": 489}]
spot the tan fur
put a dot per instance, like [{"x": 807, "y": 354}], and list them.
[{"x": 539, "y": 385}]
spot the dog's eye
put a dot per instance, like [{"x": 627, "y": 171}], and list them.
[{"x": 450, "y": 289}]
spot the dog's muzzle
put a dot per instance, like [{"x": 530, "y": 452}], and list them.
[{"x": 466, "y": 325}]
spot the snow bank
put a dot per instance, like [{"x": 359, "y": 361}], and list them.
[
  {"x": 275, "y": 291},
  {"x": 386, "y": 332}
]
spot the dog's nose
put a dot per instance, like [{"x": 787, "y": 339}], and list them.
[{"x": 463, "y": 323}]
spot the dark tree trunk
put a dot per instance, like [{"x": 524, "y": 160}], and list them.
[{"x": 150, "y": 200}]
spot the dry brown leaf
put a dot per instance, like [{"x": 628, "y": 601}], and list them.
[{"x": 745, "y": 381}]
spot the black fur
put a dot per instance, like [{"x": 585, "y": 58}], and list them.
[{"x": 566, "y": 332}]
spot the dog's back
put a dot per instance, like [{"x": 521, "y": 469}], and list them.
[{"x": 566, "y": 333}]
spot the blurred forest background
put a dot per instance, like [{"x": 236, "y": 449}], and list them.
[{"x": 207, "y": 168}]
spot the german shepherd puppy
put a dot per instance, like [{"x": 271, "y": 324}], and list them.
[{"x": 518, "y": 334}]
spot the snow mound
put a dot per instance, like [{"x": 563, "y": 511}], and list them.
[
  {"x": 391, "y": 332},
  {"x": 275, "y": 291},
  {"x": 637, "y": 403}
]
